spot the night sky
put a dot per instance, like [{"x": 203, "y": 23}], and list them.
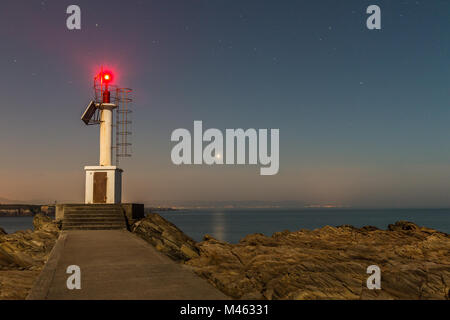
[{"x": 363, "y": 114}]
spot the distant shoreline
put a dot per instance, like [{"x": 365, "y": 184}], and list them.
[
  {"x": 30, "y": 210},
  {"x": 25, "y": 210}
]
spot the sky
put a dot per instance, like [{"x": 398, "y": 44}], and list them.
[{"x": 363, "y": 114}]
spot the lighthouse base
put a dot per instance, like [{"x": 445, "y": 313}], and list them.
[{"x": 103, "y": 185}]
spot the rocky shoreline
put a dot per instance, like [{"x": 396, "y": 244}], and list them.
[
  {"x": 23, "y": 254},
  {"x": 326, "y": 263}
]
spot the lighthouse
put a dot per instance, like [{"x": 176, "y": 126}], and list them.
[
  {"x": 103, "y": 208},
  {"x": 104, "y": 181}
]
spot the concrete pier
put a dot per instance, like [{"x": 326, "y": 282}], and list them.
[{"x": 116, "y": 264}]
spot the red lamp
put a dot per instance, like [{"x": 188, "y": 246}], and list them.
[{"x": 106, "y": 77}]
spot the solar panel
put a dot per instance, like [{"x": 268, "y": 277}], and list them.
[{"x": 89, "y": 113}]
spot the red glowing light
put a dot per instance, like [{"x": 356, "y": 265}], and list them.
[{"x": 107, "y": 77}]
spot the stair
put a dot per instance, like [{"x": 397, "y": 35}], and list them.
[{"x": 94, "y": 217}]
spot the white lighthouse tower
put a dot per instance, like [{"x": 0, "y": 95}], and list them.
[
  {"x": 104, "y": 182},
  {"x": 103, "y": 208}
]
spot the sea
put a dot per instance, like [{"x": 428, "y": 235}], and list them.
[{"x": 231, "y": 225}]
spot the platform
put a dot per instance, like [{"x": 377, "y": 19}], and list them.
[{"x": 117, "y": 265}]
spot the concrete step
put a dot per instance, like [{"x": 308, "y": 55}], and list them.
[
  {"x": 95, "y": 227},
  {"x": 93, "y": 214},
  {"x": 92, "y": 209},
  {"x": 103, "y": 224},
  {"x": 95, "y": 207},
  {"x": 81, "y": 221},
  {"x": 105, "y": 205},
  {"x": 93, "y": 223},
  {"x": 89, "y": 217},
  {"x": 93, "y": 217},
  {"x": 104, "y": 214}
]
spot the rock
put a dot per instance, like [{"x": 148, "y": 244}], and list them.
[
  {"x": 365, "y": 228},
  {"x": 208, "y": 237},
  {"x": 2, "y": 231},
  {"x": 44, "y": 223},
  {"x": 25, "y": 253},
  {"x": 9, "y": 255},
  {"x": 166, "y": 237},
  {"x": 403, "y": 225},
  {"x": 15, "y": 284},
  {"x": 369, "y": 228},
  {"x": 329, "y": 263},
  {"x": 26, "y": 249},
  {"x": 326, "y": 263}
]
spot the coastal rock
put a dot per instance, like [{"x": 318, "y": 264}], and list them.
[
  {"x": 45, "y": 223},
  {"x": 330, "y": 263},
  {"x": 404, "y": 226},
  {"x": 2, "y": 231},
  {"x": 15, "y": 284},
  {"x": 165, "y": 237},
  {"x": 25, "y": 253}
]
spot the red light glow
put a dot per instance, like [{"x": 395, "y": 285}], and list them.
[{"x": 107, "y": 76}]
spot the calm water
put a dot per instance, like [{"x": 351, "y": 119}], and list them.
[
  {"x": 13, "y": 224},
  {"x": 232, "y": 225}
]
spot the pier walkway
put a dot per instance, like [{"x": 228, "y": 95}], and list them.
[{"x": 116, "y": 264}]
